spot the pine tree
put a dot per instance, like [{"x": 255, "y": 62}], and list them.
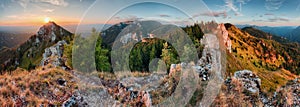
[{"x": 101, "y": 57}]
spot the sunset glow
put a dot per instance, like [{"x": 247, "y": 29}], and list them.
[{"x": 47, "y": 19}]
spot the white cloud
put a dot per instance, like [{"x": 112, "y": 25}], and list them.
[
  {"x": 273, "y": 4},
  {"x": 126, "y": 18},
  {"x": 277, "y": 19},
  {"x": 231, "y": 7},
  {"x": 54, "y": 2},
  {"x": 212, "y": 14},
  {"x": 24, "y": 3},
  {"x": 48, "y": 10}
]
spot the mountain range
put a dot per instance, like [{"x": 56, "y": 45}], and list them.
[
  {"x": 289, "y": 32},
  {"x": 258, "y": 65}
]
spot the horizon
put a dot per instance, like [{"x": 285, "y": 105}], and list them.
[
  {"x": 237, "y": 12},
  {"x": 86, "y": 28}
]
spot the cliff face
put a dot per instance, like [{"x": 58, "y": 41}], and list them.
[{"x": 226, "y": 39}]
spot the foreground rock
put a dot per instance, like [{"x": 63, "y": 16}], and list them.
[
  {"x": 250, "y": 81},
  {"x": 243, "y": 89},
  {"x": 54, "y": 55}
]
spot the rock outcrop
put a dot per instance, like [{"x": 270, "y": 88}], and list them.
[
  {"x": 225, "y": 36},
  {"x": 54, "y": 55},
  {"x": 251, "y": 93},
  {"x": 210, "y": 62},
  {"x": 250, "y": 81}
]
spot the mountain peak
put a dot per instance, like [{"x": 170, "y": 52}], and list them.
[
  {"x": 51, "y": 29},
  {"x": 51, "y": 23}
]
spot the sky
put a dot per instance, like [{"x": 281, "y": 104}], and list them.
[{"x": 181, "y": 12}]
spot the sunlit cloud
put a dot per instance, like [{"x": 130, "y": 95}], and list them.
[
  {"x": 48, "y": 10},
  {"x": 12, "y": 16},
  {"x": 24, "y": 3}
]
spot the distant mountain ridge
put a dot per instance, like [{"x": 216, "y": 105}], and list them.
[
  {"x": 11, "y": 40},
  {"x": 295, "y": 35},
  {"x": 289, "y": 32},
  {"x": 261, "y": 34}
]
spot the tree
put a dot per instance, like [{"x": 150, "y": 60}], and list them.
[
  {"x": 101, "y": 57},
  {"x": 30, "y": 66},
  {"x": 167, "y": 56},
  {"x": 68, "y": 53},
  {"x": 84, "y": 49},
  {"x": 188, "y": 54}
]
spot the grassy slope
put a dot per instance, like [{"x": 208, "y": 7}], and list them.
[
  {"x": 36, "y": 87},
  {"x": 256, "y": 55}
]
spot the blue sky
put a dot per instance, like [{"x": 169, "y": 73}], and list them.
[{"x": 182, "y": 12}]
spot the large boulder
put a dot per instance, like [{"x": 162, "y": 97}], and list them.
[{"x": 250, "y": 81}]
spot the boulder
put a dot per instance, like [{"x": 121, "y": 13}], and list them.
[{"x": 250, "y": 81}]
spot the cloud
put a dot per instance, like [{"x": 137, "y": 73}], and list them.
[
  {"x": 24, "y": 3},
  {"x": 212, "y": 14},
  {"x": 12, "y": 16},
  {"x": 54, "y": 2},
  {"x": 273, "y": 4},
  {"x": 182, "y": 22},
  {"x": 274, "y": 19},
  {"x": 277, "y": 19},
  {"x": 164, "y": 15},
  {"x": 257, "y": 20},
  {"x": 242, "y": 2},
  {"x": 117, "y": 18},
  {"x": 231, "y": 7},
  {"x": 48, "y": 10},
  {"x": 268, "y": 14},
  {"x": 127, "y": 18}
]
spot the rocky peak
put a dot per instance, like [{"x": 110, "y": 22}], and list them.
[
  {"x": 47, "y": 28},
  {"x": 52, "y": 31},
  {"x": 47, "y": 35}
]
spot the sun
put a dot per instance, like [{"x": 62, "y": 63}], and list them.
[{"x": 46, "y": 19}]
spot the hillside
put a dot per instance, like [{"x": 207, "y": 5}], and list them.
[
  {"x": 259, "y": 70},
  {"x": 29, "y": 53},
  {"x": 12, "y": 40},
  {"x": 139, "y": 29},
  {"x": 261, "y": 34},
  {"x": 266, "y": 58},
  {"x": 290, "y": 33},
  {"x": 295, "y": 35}
]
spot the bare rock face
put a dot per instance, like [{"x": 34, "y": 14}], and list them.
[
  {"x": 54, "y": 55},
  {"x": 210, "y": 62},
  {"x": 250, "y": 81},
  {"x": 225, "y": 36}
]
